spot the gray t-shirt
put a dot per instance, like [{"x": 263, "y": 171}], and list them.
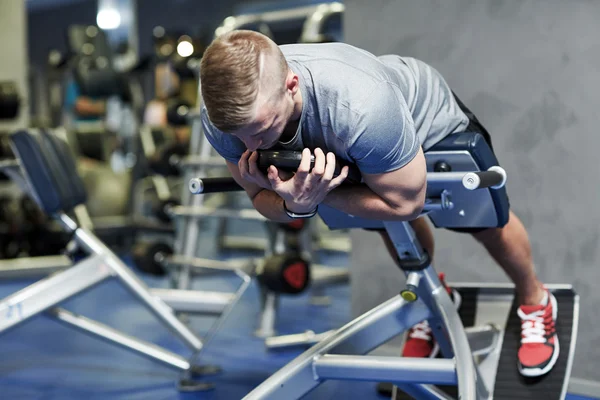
[{"x": 372, "y": 111}]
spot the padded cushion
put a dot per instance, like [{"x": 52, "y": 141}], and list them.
[
  {"x": 483, "y": 155},
  {"x": 76, "y": 188},
  {"x": 50, "y": 170}
]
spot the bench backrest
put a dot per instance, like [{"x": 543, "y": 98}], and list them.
[{"x": 49, "y": 167}]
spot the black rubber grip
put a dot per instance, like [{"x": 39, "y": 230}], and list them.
[
  {"x": 489, "y": 179},
  {"x": 214, "y": 185},
  {"x": 289, "y": 160}
]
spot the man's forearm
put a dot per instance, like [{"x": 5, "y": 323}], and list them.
[
  {"x": 270, "y": 205},
  {"x": 361, "y": 201}
]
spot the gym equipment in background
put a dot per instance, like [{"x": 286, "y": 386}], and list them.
[
  {"x": 46, "y": 170},
  {"x": 316, "y": 23},
  {"x": 10, "y": 100},
  {"x": 465, "y": 188}
]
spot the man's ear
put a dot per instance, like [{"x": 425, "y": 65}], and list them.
[{"x": 291, "y": 82}]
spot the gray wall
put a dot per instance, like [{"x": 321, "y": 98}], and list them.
[
  {"x": 530, "y": 70},
  {"x": 13, "y": 58}
]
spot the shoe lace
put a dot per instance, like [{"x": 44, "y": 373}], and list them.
[
  {"x": 532, "y": 327},
  {"x": 421, "y": 331}
]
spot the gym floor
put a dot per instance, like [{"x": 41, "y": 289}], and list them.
[{"x": 43, "y": 359}]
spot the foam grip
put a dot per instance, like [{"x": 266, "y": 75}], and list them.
[{"x": 290, "y": 161}]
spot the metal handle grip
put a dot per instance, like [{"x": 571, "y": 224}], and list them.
[
  {"x": 213, "y": 185},
  {"x": 494, "y": 178}
]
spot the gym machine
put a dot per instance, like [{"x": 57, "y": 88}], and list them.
[
  {"x": 479, "y": 343},
  {"x": 46, "y": 170},
  {"x": 310, "y": 21}
]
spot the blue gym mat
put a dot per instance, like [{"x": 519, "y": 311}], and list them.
[{"x": 43, "y": 359}]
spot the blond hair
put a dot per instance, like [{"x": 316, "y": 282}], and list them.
[{"x": 231, "y": 73}]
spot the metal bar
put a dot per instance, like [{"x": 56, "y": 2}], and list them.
[
  {"x": 308, "y": 338},
  {"x": 312, "y": 30},
  {"x": 5, "y": 164},
  {"x": 234, "y": 22},
  {"x": 360, "y": 336},
  {"x": 325, "y": 276},
  {"x": 444, "y": 308},
  {"x": 203, "y": 264},
  {"x": 194, "y": 301},
  {"x": 51, "y": 291},
  {"x": 113, "y": 336},
  {"x": 482, "y": 339},
  {"x": 386, "y": 369},
  {"x": 162, "y": 187},
  {"x": 244, "y": 243},
  {"x": 213, "y": 212},
  {"x": 423, "y": 392},
  {"x": 33, "y": 267},
  {"x": 574, "y": 333},
  {"x": 193, "y": 161},
  {"x": 268, "y": 314},
  {"x": 164, "y": 313}
]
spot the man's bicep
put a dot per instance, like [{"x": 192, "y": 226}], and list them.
[
  {"x": 251, "y": 189},
  {"x": 403, "y": 188}
]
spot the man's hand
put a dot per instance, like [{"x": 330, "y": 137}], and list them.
[
  {"x": 250, "y": 172},
  {"x": 307, "y": 189}
]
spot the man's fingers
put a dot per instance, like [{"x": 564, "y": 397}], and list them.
[
  {"x": 304, "y": 167},
  {"x": 329, "y": 167},
  {"x": 273, "y": 175},
  {"x": 319, "y": 167},
  {"x": 243, "y": 165},
  {"x": 252, "y": 164},
  {"x": 337, "y": 181}
]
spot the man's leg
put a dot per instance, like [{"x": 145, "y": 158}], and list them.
[{"x": 510, "y": 248}]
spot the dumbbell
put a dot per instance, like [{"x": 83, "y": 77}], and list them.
[
  {"x": 146, "y": 257},
  {"x": 161, "y": 162},
  {"x": 285, "y": 273},
  {"x": 160, "y": 209}
]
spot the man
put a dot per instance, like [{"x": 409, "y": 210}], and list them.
[{"x": 380, "y": 113}]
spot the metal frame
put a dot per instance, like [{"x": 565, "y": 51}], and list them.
[
  {"x": 312, "y": 14},
  {"x": 338, "y": 355},
  {"x": 48, "y": 293}
]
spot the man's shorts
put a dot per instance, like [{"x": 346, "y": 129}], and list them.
[{"x": 474, "y": 126}]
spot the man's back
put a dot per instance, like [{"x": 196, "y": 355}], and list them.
[{"x": 344, "y": 74}]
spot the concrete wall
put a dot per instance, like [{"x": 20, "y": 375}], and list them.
[
  {"x": 13, "y": 59},
  {"x": 530, "y": 71}
]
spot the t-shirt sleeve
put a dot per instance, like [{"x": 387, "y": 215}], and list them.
[
  {"x": 228, "y": 146},
  {"x": 384, "y": 137}
]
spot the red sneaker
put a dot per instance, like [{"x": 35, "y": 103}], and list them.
[
  {"x": 539, "y": 342},
  {"x": 420, "y": 342}
]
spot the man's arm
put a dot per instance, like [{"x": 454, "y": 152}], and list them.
[
  {"x": 395, "y": 195},
  {"x": 266, "y": 202}
]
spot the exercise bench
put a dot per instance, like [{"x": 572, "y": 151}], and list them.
[
  {"x": 465, "y": 188},
  {"x": 45, "y": 169}
]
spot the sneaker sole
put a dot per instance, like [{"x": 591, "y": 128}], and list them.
[{"x": 535, "y": 372}]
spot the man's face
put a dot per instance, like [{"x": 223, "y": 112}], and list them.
[{"x": 268, "y": 124}]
